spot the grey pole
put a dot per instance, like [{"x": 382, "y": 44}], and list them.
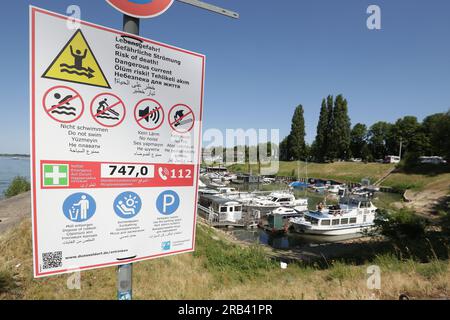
[
  {"x": 125, "y": 271},
  {"x": 131, "y": 24}
]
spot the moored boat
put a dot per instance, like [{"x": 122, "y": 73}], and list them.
[{"x": 352, "y": 215}]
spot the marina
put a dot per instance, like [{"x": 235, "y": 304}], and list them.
[{"x": 287, "y": 214}]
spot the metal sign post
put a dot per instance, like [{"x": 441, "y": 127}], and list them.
[
  {"x": 125, "y": 271},
  {"x": 131, "y": 25}
]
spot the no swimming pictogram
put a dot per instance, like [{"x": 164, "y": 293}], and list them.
[
  {"x": 77, "y": 63},
  {"x": 63, "y": 104}
]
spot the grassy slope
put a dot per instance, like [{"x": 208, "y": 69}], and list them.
[
  {"x": 219, "y": 269},
  {"x": 354, "y": 172},
  {"x": 345, "y": 171}
]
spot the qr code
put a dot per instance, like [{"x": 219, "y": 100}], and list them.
[{"x": 52, "y": 260}]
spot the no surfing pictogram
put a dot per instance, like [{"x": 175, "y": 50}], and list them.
[
  {"x": 108, "y": 110},
  {"x": 181, "y": 118},
  {"x": 63, "y": 104},
  {"x": 149, "y": 114}
]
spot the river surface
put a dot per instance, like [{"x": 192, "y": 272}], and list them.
[
  {"x": 10, "y": 168},
  {"x": 291, "y": 240}
]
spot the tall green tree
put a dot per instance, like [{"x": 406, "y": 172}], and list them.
[
  {"x": 437, "y": 129},
  {"x": 284, "y": 150},
  {"x": 330, "y": 151},
  {"x": 321, "y": 143},
  {"x": 358, "y": 141},
  {"x": 296, "y": 140},
  {"x": 341, "y": 129}
]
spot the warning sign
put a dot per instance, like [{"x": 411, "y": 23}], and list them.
[
  {"x": 63, "y": 104},
  {"x": 149, "y": 114},
  {"x": 108, "y": 110},
  {"x": 114, "y": 177},
  {"x": 181, "y": 118},
  {"x": 76, "y": 63}
]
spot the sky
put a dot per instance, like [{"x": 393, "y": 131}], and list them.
[{"x": 275, "y": 57}]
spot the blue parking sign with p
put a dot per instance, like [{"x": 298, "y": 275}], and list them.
[{"x": 168, "y": 202}]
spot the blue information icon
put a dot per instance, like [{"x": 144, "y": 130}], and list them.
[
  {"x": 165, "y": 246},
  {"x": 168, "y": 202},
  {"x": 79, "y": 207},
  {"x": 127, "y": 205}
]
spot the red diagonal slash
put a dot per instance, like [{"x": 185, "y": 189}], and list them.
[
  {"x": 109, "y": 108},
  {"x": 63, "y": 103},
  {"x": 179, "y": 120},
  {"x": 148, "y": 114}
]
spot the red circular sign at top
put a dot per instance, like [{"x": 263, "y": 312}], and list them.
[{"x": 141, "y": 8}]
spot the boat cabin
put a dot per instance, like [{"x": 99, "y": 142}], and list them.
[{"x": 222, "y": 208}]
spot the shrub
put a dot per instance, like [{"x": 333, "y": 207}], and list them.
[
  {"x": 401, "y": 225},
  {"x": 18, "y": 185}
]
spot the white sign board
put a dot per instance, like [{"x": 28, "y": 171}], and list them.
[{"x": 115, "y": 144}]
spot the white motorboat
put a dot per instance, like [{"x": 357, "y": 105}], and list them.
[
  {"x": 286, "y": 213},
  {"x": 275, "y": 200},
  {"x": 352, "y": 215},
  {"x": 335, "y": 188},
  {"x": 201, "y": 184}
]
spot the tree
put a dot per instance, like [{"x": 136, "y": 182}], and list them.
[
  {"x": 437, "y": 128},
  {"x": 405, "y": 129},
  {"x": 377, "y": 137},
  {"x": 358, "y": 141},
  {"x": 330, "y": 151},
  {"x": 341, "y": 129},
  {"x": 284, "y": 150},
  {"x": 296, "y": 140},
  {"x": 320, "y": 146}
]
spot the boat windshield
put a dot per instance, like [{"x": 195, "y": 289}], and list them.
[{"x": 314, "y": 221}]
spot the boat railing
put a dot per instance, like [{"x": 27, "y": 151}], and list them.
[{"x": 211, "y": 216}]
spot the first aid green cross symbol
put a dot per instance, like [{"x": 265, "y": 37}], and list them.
[{"x": 56, "y": 175}]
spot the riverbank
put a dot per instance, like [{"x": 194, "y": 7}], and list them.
[{"x": 221, "y": 269}]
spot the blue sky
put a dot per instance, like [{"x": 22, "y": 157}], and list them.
[{"x": 259, "y": 68}]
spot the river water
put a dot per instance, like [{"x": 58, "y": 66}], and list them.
[
  {"x": 10, "y": 168},
  {"x": 293, "y": 240}
]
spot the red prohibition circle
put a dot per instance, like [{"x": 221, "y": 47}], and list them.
[
  {"x": 141, "y": 9},
  {"x": 77, "y": 96},
  {"x": 138, "y": 120},
  {"x": 191, "y": 112},
  {"x": 121, "y": 103}
]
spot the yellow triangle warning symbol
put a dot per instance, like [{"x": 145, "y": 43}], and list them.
[{"x": 77, "y": 63}]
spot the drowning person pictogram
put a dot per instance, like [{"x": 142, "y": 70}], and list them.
[{"x": 77, "y": 63}]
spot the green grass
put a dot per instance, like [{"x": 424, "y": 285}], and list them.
[
  {"x": 220, "y": 269},
  {"x": 341, "y": 171},
  {"x": 228, "y": 261},
  {"x": 432, "y": 269},
  {"x": 385, "y": 200},
  {"x": 350, "y": 172},
  {"x": 340, "y": 271}
]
